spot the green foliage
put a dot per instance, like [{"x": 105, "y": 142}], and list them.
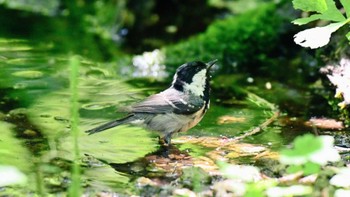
[
  {"x": 41, "y": 144},
  {"x": 311, "y": 168},
  {"x": 298, "y": 157},
  {"x": 16, "y": 163},
  {"x": 12, "y": 152},
  {"x": 75, "y": 189},
  {"x": 309, "y": 153},
  {"x": 303, "y": 146},
  {"x": 246, "y": 180},
  {"x": 346, "y": 5},
  {"x": 84, "y": 27},
  {"x": 257, "y": 189},
  {"x": 232, "y": 40},
  {"x": 315, "y": 5},
  {"x": 324, "y": 10},
  {"x": 308, "y": 168},
  {"x": 238, "y": 6},
  {"x": 42, "y": 7},
  {"x": 103, "y": 21},
  {"x": 194, "y": 178},
  {"x": 328, "y": 12}
]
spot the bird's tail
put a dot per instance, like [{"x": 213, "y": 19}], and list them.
[{"x": 111, "y": 124}]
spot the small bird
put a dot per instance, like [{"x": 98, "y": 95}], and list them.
[{"x": 176, "y": 109}]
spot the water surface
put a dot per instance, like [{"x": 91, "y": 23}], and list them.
[{"x": 35, "y": 123}]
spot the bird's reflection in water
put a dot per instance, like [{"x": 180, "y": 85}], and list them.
[{"x": 166, "y": 162}]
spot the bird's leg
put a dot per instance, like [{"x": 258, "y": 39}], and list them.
[
  {"x": 165, "y": 140},
  {"x": 166, "y": 147}
]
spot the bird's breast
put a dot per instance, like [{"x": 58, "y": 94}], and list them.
[{"x": 194, "y": 119}]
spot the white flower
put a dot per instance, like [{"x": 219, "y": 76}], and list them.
[
  {"x": 150, "y": 64},
  {"x": 241, "y": 172},
  {"x": 341, "y": 193},
  {"x": 326, "y": 153},
  {"x": 294, "y": 190},
  {"x": 341, "y": 179},
  {"x": 316, "y": 37},
  {"x": 340, "y": 77}
]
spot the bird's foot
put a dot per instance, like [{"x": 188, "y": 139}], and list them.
[{"x": 165, "y": 141}]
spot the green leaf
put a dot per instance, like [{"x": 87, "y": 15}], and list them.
[
  {"x": 311, "y": 168},
  {"x": 304, "y": 145},
  {"x": 294, "y": 168},
  {"x": 332, "y": 13},
  {"x": 303, "y": 21},
  {"x": 348, "y": 35},
  {"x": 311, "y": 5},
  {"x": 309, "y": 148},
  {"x": 346, "y": 5}
]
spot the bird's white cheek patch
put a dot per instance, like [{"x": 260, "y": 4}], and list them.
[
  {"x": 174, "y": 79},
  {"x": 198, "y": 83}
]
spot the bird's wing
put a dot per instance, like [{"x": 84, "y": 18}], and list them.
[{"x": 169, "y": 101}]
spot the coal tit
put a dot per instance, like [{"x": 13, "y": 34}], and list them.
[{"x": 176, "y": 109}]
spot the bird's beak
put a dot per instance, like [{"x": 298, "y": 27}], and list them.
[{"x": 211, "y": 63}]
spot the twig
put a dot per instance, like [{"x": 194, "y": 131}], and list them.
[{"x": 259, "y": 128}]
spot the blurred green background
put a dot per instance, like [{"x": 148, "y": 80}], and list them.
[{"x": 129, "y": 49}]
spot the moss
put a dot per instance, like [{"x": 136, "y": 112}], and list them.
[{"x": 240, "y": 42}]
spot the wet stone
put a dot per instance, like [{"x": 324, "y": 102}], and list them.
[{"x": 30, "y": 133}]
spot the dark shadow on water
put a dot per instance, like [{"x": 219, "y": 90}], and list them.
[{"x": 157, "y": 164}]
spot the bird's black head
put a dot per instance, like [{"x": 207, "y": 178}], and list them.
[{"x": 193, "y": 77}]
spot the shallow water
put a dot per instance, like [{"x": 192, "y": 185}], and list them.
[{"x": 35, "y": 122}]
